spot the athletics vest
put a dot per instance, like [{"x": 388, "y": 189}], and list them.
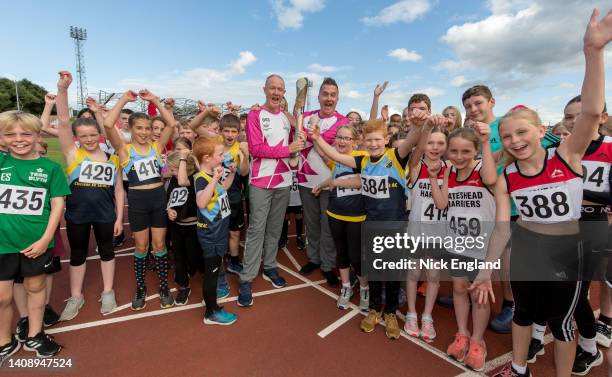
[
  {"x": 596, "y": 173},
  {"x": 142, "y": 169},
  {"x": 346, "y": 203},
  {"x": 422, "y": 207}
]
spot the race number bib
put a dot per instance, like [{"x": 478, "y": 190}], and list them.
[
  {"x": 464, "y": 226},
  {"x": 375, "y": 186},
  {"x": 98, "y": 173},
  {"x": 431, "y": 212},
  {"x": 224, "y": 205},
  {"x": 147, "y": 168},
  {"x": 178, "y": 197},
  {"x": 547, "y": 205},
  {"x": 344, "y": 191},
  {"x": 595, "y": 176},
  {"x": 20, "y": 200},
  {"x": 226, "y": 173}
]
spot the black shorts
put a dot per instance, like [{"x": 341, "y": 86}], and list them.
[
  {"x": 296, "y": 210},
  {"x": 236, "y": 217},
  {"x": 461, "y": 270},
  {"x": 16, "y": 266},
  {"x": 147, "y": 209}
]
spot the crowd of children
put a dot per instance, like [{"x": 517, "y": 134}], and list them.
[{"x": 530, "y": 193}]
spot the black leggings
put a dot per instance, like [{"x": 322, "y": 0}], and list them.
[
  {"x": 78, "y": 238},
  {"x": 391, "y": 295},
  {"x": 211, "y": 274},
  {"x": 347, "y": 238},
  {"x": 187, "y": 252}
]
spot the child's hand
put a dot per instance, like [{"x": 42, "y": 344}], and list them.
[
  {"x": 130, "y": 96},
  {"x": 232, "y": 168},
  {"x": 218, "y": 173},
  {"x": 380, "y": 89},
  {"x": 36, "y": 249},
  {"x": 316, "y": 190},
  {"x": 433, "y": 171},
  {"x": 50, "y": 99},
  {"x": 213, "y": 110},
  {"x": 171, "y": 214},
  {"x": 598, "y": 34},
  {"x": 92, "y": 104},
  {"x": 482, "y": 288},
  {"x": 185, "y": 153},
  {"x": 384, "y": 113},
  {"x": 169, "y": 103},
  {"x": 314, "y": 132},
  {"x": 483, "y": 130},
  {"x": 255, "y": 107},
  {"x": 418, "y": 117},
  {"x": 65, "y": 80},
  {"x": 201, "y": 106},
  {"x": 117, "y": 228},
  {"x": 146, "y": 95}
]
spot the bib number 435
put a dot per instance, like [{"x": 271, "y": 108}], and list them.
[{"x": 19, "y": 200}]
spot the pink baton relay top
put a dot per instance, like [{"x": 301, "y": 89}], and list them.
[
  {"x": 268, "y": 136},
  {"x": 313, "y": 170}
]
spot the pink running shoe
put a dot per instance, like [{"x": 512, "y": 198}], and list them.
[
  {"x": 476, "y": 356},
  {"x": 411, "y": 327},
  {"x": 428, "y": 332},
  {"x": 459, "y": 347}
]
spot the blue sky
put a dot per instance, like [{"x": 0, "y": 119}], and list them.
[{"x": 527, "y": 51}]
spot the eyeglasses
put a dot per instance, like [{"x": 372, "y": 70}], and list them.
[{"x": 344, "y": 138}]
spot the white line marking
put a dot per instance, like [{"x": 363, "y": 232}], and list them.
[
  {"x": 418, "y": 342},
  {"x": 125, "y": 306},
  {"x": 159, "y": 312},
  {"x": 118, "y": 253},
  {"x": 339, "y": 322},
  {"x": 292, "y": 259}
]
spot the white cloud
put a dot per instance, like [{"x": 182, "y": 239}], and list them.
[
  {"x": 431, "y": 91},
  {"x": 404, "y": 55},
  {"x": 520, "y": 41},
  {"x": 316, "y": 67},
  {"x": 246, "y": 58},
  {"x": 353, "y": 94},
  {"x": 401, "y": 11},
  {"x": 458, "y": 81},
  {"x": 290, "y": 14},
  {"x": 566, "y": 85}
]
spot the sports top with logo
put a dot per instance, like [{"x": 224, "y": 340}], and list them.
[
  {"x": 553, "y": 195},
  {"x": 213, "y": 220},
  {"x": 422, "y": 207},
  {"x": 268, "y": 135},
  {"x": 92, "y": 184},
  {"x": 383, "y": 186},
  {"x": 26, "y": 189},
  {"x": 294, "y": 194},
  {"x": 312, "y": 169},
  {"x": 596, "y": 173},
  {"x": 142, "y": 169},
  {"x": 346, "y": 204},
  {"x": 182, "y": 199},
  {"x": 471, "y": 209},
  {"x": 232, "y": 157}
]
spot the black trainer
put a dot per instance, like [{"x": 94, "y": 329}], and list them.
[
  {"x": 301, "y": 244},
  {"x": 536, "y": 348},
  {"x": 43, "y": 345},
  {"x": 308, "y": 268},
  {"x": 21, "y": 332},
  {"x": 182, "y": 296},
  {"x": 118, "y": 241},
  {"x": 584, "y": 361},
  {"x": 332, "y": 279},
  {"x": 9, "y": 349},
  {"x": 50, "y": 317},
  {"x": 139, "y": 300},
  {"x": 282, "y": 243}
]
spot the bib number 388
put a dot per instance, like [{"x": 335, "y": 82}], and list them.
[
  {"x": 550, "y": 205},
  {"x": 19, "y": 200},
  {"x": 375, "y": 186}
]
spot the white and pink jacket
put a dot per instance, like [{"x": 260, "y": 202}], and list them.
[
  {"x": 313, "y": 170},
  {"x": 268, "y": 135}
]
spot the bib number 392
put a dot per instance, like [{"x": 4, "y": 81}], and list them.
[
  {"x": 97, "y": 173},
  {"x": 224, "y": 205},
  {"x": 19, "y": 200},
  {"x": 375, "y": 186},
  {"x": 178, "y": 197},
  {"x": 147, "y": 168}
]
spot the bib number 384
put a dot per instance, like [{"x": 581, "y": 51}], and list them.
[
  {"x": 224, "y": 205},
  {"x": 147, "y": 168},
  {"x": 375, "y": 186},
  {"x": 19, "y": 200}
]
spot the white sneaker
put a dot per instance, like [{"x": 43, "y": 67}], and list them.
[
  {"x": 108, "y": 302},
  {"x": 364, "y": 299},
  {"x": 73, "y": 305},
  {"x": 344, "y": 300}
]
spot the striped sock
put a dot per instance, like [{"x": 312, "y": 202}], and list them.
[
  {"x": 140, "y": 268},
  {"x": 161, "y": 262}
]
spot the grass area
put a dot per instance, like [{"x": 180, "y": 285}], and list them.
[{"x": 53, "y": 152}]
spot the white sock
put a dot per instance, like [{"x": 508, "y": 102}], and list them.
[
  {"x": 411, "y": 315},
  {"x": 588, "y": 345},
  {"x": 520, "y": 370},
  {"x": 426, "y": 317},
  {"x": 537, "y": 332}
]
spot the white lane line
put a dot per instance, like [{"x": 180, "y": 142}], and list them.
[
  {"x": 118, "y": 253},
  {"x": 125, "y": 306},
  {"x": 64, "y": 228},
  {"x": 159, "y": 312},
  {"x": 292, "y": 258},
  {"x": 418, "y": 342},
  {"x": 339, "y": 322}
]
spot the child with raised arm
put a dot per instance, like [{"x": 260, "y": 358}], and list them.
[{"x": 141, "y": 163}]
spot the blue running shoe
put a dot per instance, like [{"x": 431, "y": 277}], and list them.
[
  {"x": 273, "y": 277},
  {"x": 222, "y": 292},
  {"x": 245, "y": 294},
  {"x": 220, "y": 317},
  {"x": 234, "y": 268},
  {"x": 502, "y": 324}
]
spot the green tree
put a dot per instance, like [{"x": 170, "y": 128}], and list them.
[{"x": 31, "y": 96}]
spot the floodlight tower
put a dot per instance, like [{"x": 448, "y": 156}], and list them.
[{"x": 80, "y": 35}]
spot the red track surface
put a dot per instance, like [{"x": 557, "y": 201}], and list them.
[{"x": 278, "y": 336}]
